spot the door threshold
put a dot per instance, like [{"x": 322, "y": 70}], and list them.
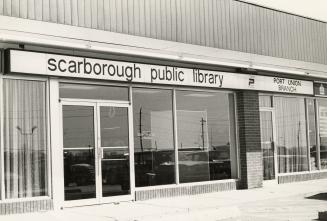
[
  {"x": 267, "y": 183},
  {"x": 94, "y": 202}
]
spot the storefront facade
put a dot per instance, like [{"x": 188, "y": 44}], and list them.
[
  {"x": 85, "y": 124},
  {"x": 87, "y": 131}
]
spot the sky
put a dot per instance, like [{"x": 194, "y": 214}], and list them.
[{"x": 316, "y": 9}]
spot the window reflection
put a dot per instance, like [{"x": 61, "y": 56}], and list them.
[
  {"x": 153, "y": 137},
  {"x": 115, "y": 150},
  {"x": 203, "y": 126},
  {"x": 79, "y": 152}
]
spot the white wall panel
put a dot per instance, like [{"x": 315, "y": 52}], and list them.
[
  {"x": 53, "y": 11},
  {"x": 226, "y": 24},
  {"x": 45, "y": 10}
]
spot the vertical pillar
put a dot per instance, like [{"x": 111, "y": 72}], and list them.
[
  {"x": 57, "y": 160},
  {"x": 251, "y": 165}
]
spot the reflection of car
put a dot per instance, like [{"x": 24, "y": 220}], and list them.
[
  {"x": 193, "y": 165},
  {"x": 154, "y": 167},
  {"x": 116, "y": 172},
  {"x": 203, "y": 165},
  {"x": 82, "y": 174}
]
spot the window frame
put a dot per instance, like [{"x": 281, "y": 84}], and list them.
[
  {"x": 233, "y": 129},
  {"x": 48, "y": 179},
  {"x": 171, "y": 90},
  {"x": 317, "y": 121},
  {"x": 318, "y": 131}
]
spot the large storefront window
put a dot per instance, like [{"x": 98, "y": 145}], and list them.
[
  {"x": 322, "y": 108},
  {"x": 153, "y": 137},
  {"x": 291, "y": 138},
  {"x": 25, "y": 138},
  {"x": 203, "y": 130}
]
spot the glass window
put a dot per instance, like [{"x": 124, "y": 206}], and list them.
[
  {"x": 312, "y": 134},
  {"x": 267, "y": 144},
  {"x": 25, "y": 139},
  {"x": 203, "y": 128},
  {"x": 153, "y": 137},
  {"x": 291, "y": 136},
  {"x": 265, "y": 101},
  {"x": 322, "y": 107},
  {"x": 83, "y": 91}
]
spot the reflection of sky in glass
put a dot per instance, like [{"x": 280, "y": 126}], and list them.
[
  {"x": 153, "y": 121},
  {"x": 213, "y": 108},
  {"x": 78, "y": 126}
]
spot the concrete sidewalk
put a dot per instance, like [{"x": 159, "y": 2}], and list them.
[{"x": 296, "y": 201}]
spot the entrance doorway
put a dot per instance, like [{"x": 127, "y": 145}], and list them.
[
  {"x": 268, "y": 144},
  {"x": 96, "y": 152}
]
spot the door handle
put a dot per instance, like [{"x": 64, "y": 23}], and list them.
[
  {"x": 100, "y": 153},
  {"x": 99, "y": 160}
]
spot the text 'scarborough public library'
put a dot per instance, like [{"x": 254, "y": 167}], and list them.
[{"x": 110, "y": 101}]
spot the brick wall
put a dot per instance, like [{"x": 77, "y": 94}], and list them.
[
  {"x": 249, "y": 139},
  {"x": 290, "y": 178},
  {"x": 182, "y": 190},
  {"x": 25, "y": 206}
]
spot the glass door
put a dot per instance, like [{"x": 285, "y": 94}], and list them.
[
  {"x": 115, "y": 153},
  {"x": 96, "y": 140},
  {"x": 79, "y": 152},
  {"x": 267, "y": 144}
]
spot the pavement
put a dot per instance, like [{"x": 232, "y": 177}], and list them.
[{"x": 295, "y": 201}]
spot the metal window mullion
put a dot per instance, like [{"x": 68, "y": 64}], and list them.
[
  {"x": 131, "y": 143},
  {"x": 307, "y": 132},
  {"x": 317, "y": 134},
  {"x": 274, "y": 128},
  {"x": 97, "y": 151},
  {"x": 175, "y": 137},
  {"x": 48, "y": 136},
  {"x": 2, "y": 171}
]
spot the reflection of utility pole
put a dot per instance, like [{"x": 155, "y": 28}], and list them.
[
  {"x": 141, "y": 135},
  {"x": 202, "y": 131},
  {"x": 210, "y": 145}
]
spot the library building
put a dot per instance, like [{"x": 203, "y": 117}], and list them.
[{"x": 111, "y": 101}]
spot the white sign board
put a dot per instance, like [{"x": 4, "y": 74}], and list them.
[{"x": 83, "y": 67}]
